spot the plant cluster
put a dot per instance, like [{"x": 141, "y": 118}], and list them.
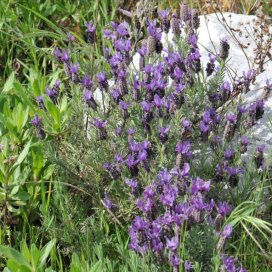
[{"x": 162, "y": 120}]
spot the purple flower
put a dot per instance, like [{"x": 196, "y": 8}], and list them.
[
  {"x": 74, "y": 68},
  {"x": 223, "y": 209},
  {"x": 140, "y": 224},
  {"x": 36, "y": 121},
  {"x": 149, "y": 192},
  {"x": 145, "y": 145},
  {"x": 210, "y": 65},
  {"x": 57, "y": 54},
  {"x": 102, "y": 80},
  {"x": 261, "y": 148},
  {"x": 192, "y": 40},
  {"x": 206, "y": 117},
  {"x": 90, "y": 26},
  {"x": 107, "y": 202},
  {"x": 50, "y": 92},
  {"x": 101, "y": 77},
  {"x": 174, "y": 260},
  {"x": 121, "y": 29},
  {"x": 178, "y": 74},
  {"x": 165, "y": 21},
  {"x": 234, "y": 171},
  {"x": 241, "y": 109},
  {"x": 163, "y": 177},
  {"x": 183, "y": 148},
  {"x": 118, "y": 158},
  {"x": 225, "y": 87},
  {"x": 116, "y": 94},
  {"x": 229, "y": 265},
  {"x": 123, "y": 105},
  {"x": 130, "y": 161},
  {"x": 132, "y": 183},
  {"x": 71, "y": 38},
  {"x": 108, "y": 34},
  {"x": 157, "y": 245},
  {"x": 115, "y": 60},
  {"x": 146, "y": 106},
  {"x": 199, "y": 185},
  {"x": 227, "y": 231},
  {"x": 181, "y": 173},
  {"x": 142, "y": 50},
  {"x": 173, "y": 243},
  {"x": 249, "y": 75},
  {"x": 187, "y": 266},
  {"x": 99, "y": 123},
  {"x": 64, "y": 56},
  {"x": 131, "y": 131},
  {"x": 232, "y": 118},
  {"x": 169, "y": 195},
  {"x": 151, "y": 27},
  {"x": 118, "y": 130},
  {"x": 186, "y": 123},
  {"x": 158, "y": 102},
  {"x": 39, "y": 99},
  {"x": 133, "y": 146},
  {"x": 164, "y": 14},
  {"x": 229, "y": 154},
  {"x": 88, "y": 95},
  {"x": 164, "y": 131},
  {"x": 224, "y": 49},
  {"x": 86, "y": 82},
  {"x": 203, "y": 127},
  {"x": 145, "y": 205},
  {"x": 142, "y": 156},
  {"x": 244, "y": 143}
]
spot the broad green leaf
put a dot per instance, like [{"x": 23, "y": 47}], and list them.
[
  {"x": 25, "y": 251},
  {"x": 9, "y": 84},
  {"x": 23, "y": 95},
  {"x": 22, "y": 155},
  {"x": 54, "y": 111},
  {"x": 35, "y": 256},
  {"x": 14, "y": 190},
  {"x": 97, "y": 267},
  {"x": 37, "y": 156},
  {"x": 45, "y": 252},
  {"x": 64, "y": 104},
  {"x": 11, "y": 253}
]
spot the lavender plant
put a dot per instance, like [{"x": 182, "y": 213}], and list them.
[{"x": 164, "y": 123}]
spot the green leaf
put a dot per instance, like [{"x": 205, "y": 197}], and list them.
[
  {"x": 54, "y": 111},
  {"x": 37, "y": 156},
  {"x": 35, "y": 256},
  {"x": 45, "y": 252},
  {"x": 9, "y": 84},
  {"x": 15, "y": 255},
  {"x": 97, "y": 267},
  {"x": 23, "y": 96},
  {"x": 22, "y": 155}
]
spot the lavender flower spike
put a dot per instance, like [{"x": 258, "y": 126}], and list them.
[
  {"x": 36, "y": 121},
  {"x": 91, "y": 32}
]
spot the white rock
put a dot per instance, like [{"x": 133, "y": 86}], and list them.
[
  {"x": 238, "y": 29},
  {"x": 212, "y": 29}
]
